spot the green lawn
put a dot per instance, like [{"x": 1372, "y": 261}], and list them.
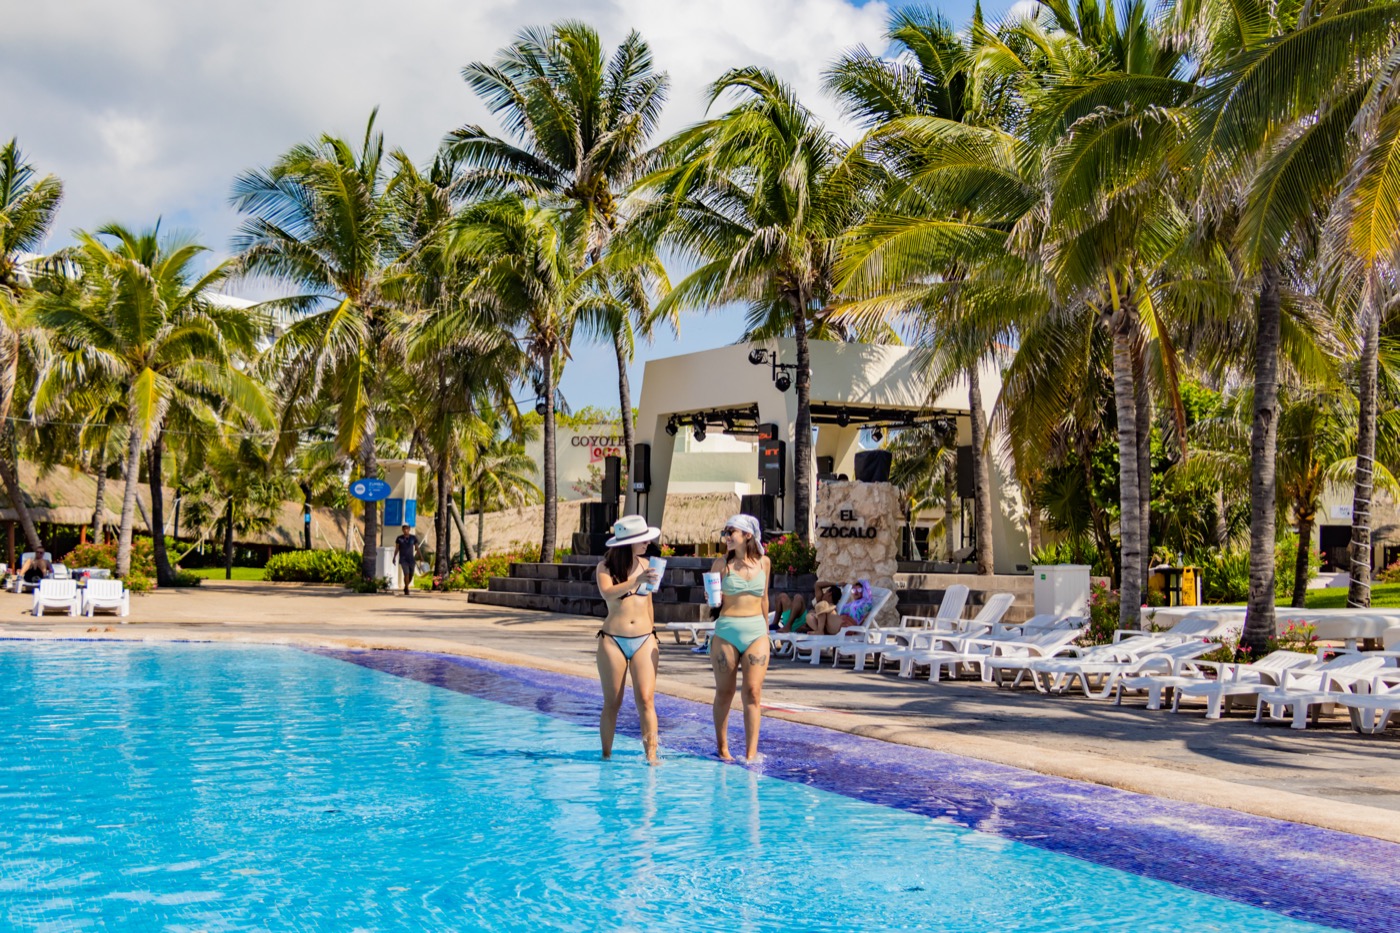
[
  {"x": 239, "y": 573},
  {"x": 1383, "y": 596}
]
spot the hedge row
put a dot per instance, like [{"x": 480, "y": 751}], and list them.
[{"x": 313, "y": 567}]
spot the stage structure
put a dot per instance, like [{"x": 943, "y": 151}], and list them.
[{"x": 858, "y": 390}]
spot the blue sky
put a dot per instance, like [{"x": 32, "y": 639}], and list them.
[{"x": 149, "y": 108}]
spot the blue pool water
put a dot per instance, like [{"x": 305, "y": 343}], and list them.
[{"x": 214, "y": 788}]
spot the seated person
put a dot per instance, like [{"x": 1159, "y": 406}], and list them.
[
  {"x": 823, "y": 619},
  {"x": 792, "y": 613},
  {"x": 36, "y": 568}
]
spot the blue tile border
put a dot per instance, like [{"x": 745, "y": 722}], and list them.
[{"x": 1304, "y": 872}]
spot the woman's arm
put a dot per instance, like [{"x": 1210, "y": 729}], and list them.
[
  {"x": 611, "y": 589},
  {"x": 768, "y": 579}
]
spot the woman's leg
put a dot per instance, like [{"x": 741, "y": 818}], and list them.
[
  {"x": 799, "y": 606},
  {"x": 643, "y": 667},
  {"x": 724, "y": 659},
  {"x": 612, "y": 672},
  {"x": 755, "y": 664}
]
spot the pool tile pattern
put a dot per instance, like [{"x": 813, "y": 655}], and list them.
[{"x": 1331, "y": 878}]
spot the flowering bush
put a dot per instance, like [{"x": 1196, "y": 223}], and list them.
[
  {"x": 1390, "y": 574},
  {"x": 1227, "y": 649},
  {"x": 476, "y": 574},
  {"x": 1103, "y": 616},
  {"x": 141, "y": 578},
  {"x": 791, "y": 555}
]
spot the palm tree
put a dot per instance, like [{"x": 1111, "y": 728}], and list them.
[
  {"x": 577, "y": 133},
  {"x": 27, "y": 209},
  {"x": 1290, "y": 112},
  {"x": 497, "y": 471},
  {"x": 321, "y": 221},
  {"x": 236, "y": 491},
  {"x": 135, "y": 313},
  {"x": 760, "y": 196},
  {"x": 526, "y": 273}
]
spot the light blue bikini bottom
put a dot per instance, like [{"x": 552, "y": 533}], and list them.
[
  {"x": 741, "y": 631},
  {"x": 628, "y": 644}
]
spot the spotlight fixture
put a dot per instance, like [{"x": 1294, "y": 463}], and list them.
[
  {"x": 671, "y": 427},
  {"x": 699, "y": 432},
  {"x": 758, "y": 356},
  {"x": 728, "y": 423},
  {"x": 782, "y": 372},
  {"x": 843, "y": 418},
  {"x": 877, "y": 435},
  {"x": 540, "y": 407},
  {"x": 783, "y": 382},
  {"x": 697, "y": 421}
]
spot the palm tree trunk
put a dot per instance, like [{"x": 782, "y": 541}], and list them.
[
  {"x": 551, "y": 477},
  {"x": 950, "y": 503},
  {"x": 128, "y": 519},
  {"x": 1306, "y": 518},
  {"x": 456, "y": 514},
  {"x": 306, "y": 514},
  {"x": 981, "y": 476},
  {"x": 1144, "y": 457},
  {"x": 802, "y": 442},
  {"x": 480, "y": 530},
  {"x": 369, "y": 467},
  {"x": 165, "y": 574},
  {"x": 624, "y": 399},
  {"x": 1259, "y": 624},
  {"x": 100, "y": 506},
  {"x": 1359, "y": 591},
  {"x": 442, "y": 522},
  {"x": 1130, "y": 498},
  {"x": 228, "y": 542},
  {"x": 9, "y": 470}
]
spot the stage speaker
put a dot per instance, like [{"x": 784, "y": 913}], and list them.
[
  {"x": 596, "y": 518},
  {"x": 767, "y": 431},
  {"x": 826, "y": 464},
  {"x": 590, "y": 543},
  {"x": 612, "y": 478},
  {"x": 641, "y": 468},
  {"x": 764, "y": 508},
  {"x": 967, "y": 486},
  {"x": 873, "y": 466},
  {"x": 772, "y": 467}
]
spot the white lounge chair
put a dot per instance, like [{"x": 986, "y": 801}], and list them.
[
  {"x": 1371, "y": 711},
  {"x": 1148, "y": 655},
  {"x": 106, "y": 594},
  {"x": 989, "y": 616},
  {"x": 984, "y": 653},
  {"x": 60, "y": 572},
  {"x": 1230, "y": 681},
  {"x": 816, "y": 644},
  {"x": 17, "y": 583},
  {"x": 57, "y": 594},
  {"x": 1306, "y": 691}
]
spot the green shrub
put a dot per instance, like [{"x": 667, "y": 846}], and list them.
[
  {"x": 1227, "y": 570},
  {"x": 324, "y": 566},
  {"x": 361, "y": 585},
  {"x": 187, "y": 578},
  {"x": 142, "y": 575},
  {"x": 1103, "y": 616},
  {"x": 1390, "y": 574},
  {"x": 791, "y": 555}
]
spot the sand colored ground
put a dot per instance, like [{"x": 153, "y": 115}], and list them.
[{"x": 1328, "y": 776}]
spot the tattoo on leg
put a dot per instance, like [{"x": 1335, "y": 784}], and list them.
[{"x": 756, "y": 660}]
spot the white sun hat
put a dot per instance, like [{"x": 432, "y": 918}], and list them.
[{"x": 631, "y": 529}]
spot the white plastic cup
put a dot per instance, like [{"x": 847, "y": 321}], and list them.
[
  {"x": 659, "y": 565},
  {"x": 714, "y": 595}
]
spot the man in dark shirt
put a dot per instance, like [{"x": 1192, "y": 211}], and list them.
[
  {"x": 37, "y": 567},
  {"x": 406, "y": 554}
]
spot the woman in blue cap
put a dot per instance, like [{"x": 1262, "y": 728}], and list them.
[
  {"x": 627, "y": 640},
  {"x": 740, "y": 642}
]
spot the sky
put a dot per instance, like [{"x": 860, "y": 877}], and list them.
[{"x": 148, "y": 109}]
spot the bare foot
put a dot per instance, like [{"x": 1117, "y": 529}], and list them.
[
  {"x": 723, "y": 754},
  {"x": 654, "y": 761}
]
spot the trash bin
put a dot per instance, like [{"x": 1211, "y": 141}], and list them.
[
  {"x": 1178, "y": 586},
  {"x": 1061, "y": 589}
]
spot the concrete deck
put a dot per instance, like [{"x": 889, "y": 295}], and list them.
[{"x": 1328, "y": 776}]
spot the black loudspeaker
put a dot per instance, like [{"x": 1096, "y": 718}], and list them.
[
  {"x": 590, "y": 543},
  {"x": 772, "y": 467},
  {"x": 764, "y": 508},
  {"x": 612, "y": 478},
  {"x": 826, "y": 464},
  {"x": 873, "y": 466},
  {"x": 767, "y": 431},
  {"x": 595, "y": 518},
  {"x": 641, "y": 468},
  {"x": 967, "y": 486}
]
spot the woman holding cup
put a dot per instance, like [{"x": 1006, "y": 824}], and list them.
[
  {"x": 740, "y": 641},
  {"x": 627, "y": 640}
]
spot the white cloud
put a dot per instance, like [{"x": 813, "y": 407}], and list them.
[{"x": 151, "y": 107}]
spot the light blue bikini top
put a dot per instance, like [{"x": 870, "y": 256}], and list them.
[{"x": 735, "y": 585}]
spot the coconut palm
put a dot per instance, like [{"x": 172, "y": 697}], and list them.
[
  {"x": 1291, "y": 114},
  {"x": 321, "y": 221},
  {"x": 526, "y": 274},
  {"x": 236, "y": 491},
  {"x": 136, "y": 313},
  {"x": 577, "y": 130},
  {"x": 497, "y": 471},
  {"x": 760, "y": 196}
]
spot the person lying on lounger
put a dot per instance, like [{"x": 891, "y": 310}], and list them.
[{"x": 823, "y": 619}]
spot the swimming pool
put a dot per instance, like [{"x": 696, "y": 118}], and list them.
[{"x": 200, "y": 787}]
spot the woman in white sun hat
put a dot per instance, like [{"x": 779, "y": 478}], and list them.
[
  {"x": 740, "y": 641},
  {"x": 627, "y": 640}
]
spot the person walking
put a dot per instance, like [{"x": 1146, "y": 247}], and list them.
[
  {"x": 740, "y": 641},
  {"x": 627, "y": 640},
  {"x": 406, "y": 555}
]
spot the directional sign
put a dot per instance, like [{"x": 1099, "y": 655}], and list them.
[{"x": 370, "y": 489}]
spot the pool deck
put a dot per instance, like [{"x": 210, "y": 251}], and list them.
[{"x": 1327, "y": 776}]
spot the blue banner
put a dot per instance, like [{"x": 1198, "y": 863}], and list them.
[{"x": 370, "y": 489}]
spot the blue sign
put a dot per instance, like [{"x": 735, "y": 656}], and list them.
[{"x": 370, "y": 489}]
